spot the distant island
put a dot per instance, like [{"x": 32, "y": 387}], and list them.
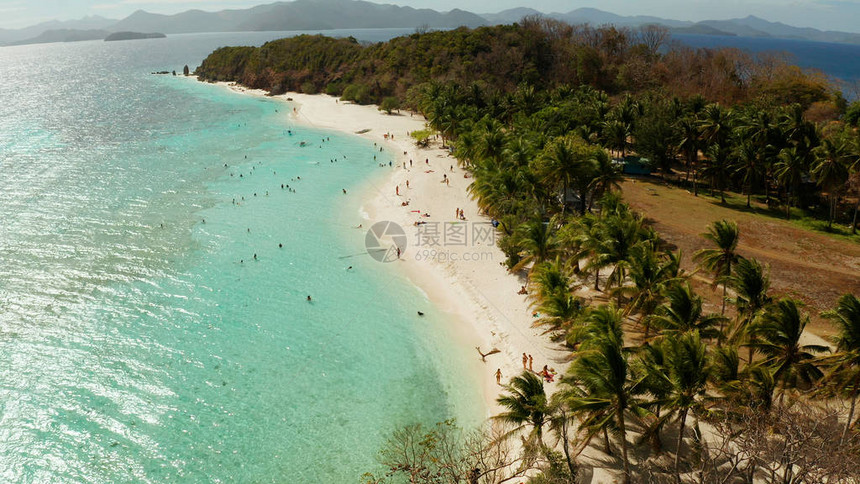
[
  {"x": 63, "y": 35},
  {"x": 133, "y": 36}
]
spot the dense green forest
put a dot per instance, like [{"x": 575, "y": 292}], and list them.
[
  {"x": 537, "y": 52},
  {"x": 666, "y": 390}
]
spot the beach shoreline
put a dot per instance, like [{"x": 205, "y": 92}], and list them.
[{"x": 465, "y": 279}]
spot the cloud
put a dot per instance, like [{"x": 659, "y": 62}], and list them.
[{"x": 12, "y": 7}]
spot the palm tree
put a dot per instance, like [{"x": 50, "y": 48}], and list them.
[
  {"x": 537, "y": 242},
  {"x": 599, "y": 383},
  {"x": 560, "y": 421},
  {"x": 682, "y": 313},
  {"x": 716, "y": 124},
  {"x": 748, "y": 166},
  {"x": 553, "y": 297},
  {"x": 687, "y": 372},
  {"x": 725, "y": 371},
  {"x": 719, "y": 260},
  {"x": 563, "y": 162},
  {"x": 527, "y": 407},
  {"x": 763, "y": 133},
  {"x": 466, "y": 148},
  {"x": 651, "y": 362},
  {"x": 612, "y": 245},
  {"x": 844, "y": 375},
  {"x": 617, "y": 134},
  {"x": 689, "y": 144},
  {"x": 789, "y": 170},
  {"x": 650, "y": 274},
  {"x": 497, "y": 191},
  {"x": 831, "y": 171},
  {"x": 778, "y": 339},
  {"x": 627, "y": 111},
  {"x": 718, "y": 169},
  {"x": 750, "y": 282},
  {"x": 491, "y": 143},
  {"x": 607, "y": 176},
  {"x": 796, "y": 129}
]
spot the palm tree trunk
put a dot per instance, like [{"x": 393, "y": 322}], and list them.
[
  {"x": 596, "y": 279},
  {"x": 687, "y": 176},
  {"x": 854, "y": 220},
  {"x": 832, "y": 212},
  {"x": 606, "y": 440},
  {"x": 766, "y": 188},
  {"x": 851, "y": 410},
  {"x": 723, "y": 310},
  {"x": 624, "y": 458},
  {"x": 695, "y": 183},
  {"x": 564, "y": 197},
  {"x": 583, "y": 197},
  {"x": 683, "y": 420},
  {"x": 566, "y": 447}
]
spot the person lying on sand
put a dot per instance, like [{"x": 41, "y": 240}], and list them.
[
  {"x": 547, "y": 375},
  {"x": 485, "y": 355}
]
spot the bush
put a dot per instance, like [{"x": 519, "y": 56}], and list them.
[
  {"x": 334, "y": 88},
  {"x": 308, "y": 88},
  {"x": 421, "y": 137},
  {"x": 389, "y": 104},
  {"x": 357, "y": 93}
]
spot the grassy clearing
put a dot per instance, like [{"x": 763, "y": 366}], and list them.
[
  {"x": 805, "y": 260},
  {"x": 799, "y": 218}
]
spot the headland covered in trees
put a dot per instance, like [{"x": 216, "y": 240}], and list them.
[{"x": 671, "y": 374}]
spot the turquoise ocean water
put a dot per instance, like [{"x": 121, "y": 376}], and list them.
[{"x": 134, "y": 344}]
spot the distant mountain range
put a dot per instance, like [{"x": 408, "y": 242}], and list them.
[{"x": 353, "y": 14}]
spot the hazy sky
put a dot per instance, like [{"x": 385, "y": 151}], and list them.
[{"x": 821, "y": 14}]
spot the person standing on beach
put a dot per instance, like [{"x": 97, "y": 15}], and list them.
[
  {"x": 525, "y": 361},
  {"x": 499, "y": 376},
  {"x": 397, "y": 190},
  {"x": 531, "y": 362}
]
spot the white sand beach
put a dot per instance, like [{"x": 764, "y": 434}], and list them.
[
  {"x": 463, "y": 275},
  {"x": 455, "y": 262}
]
